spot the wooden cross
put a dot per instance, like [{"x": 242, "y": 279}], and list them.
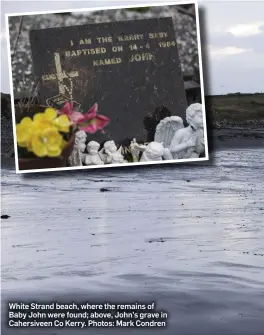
[{"x": 60, "y": 76}]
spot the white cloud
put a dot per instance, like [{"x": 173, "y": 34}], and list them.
[
  {"x": 227, "y": 51},
  {"x": 244, "y": 30}
]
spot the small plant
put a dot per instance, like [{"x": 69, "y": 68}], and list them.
[{"x": 47, "y": 133}]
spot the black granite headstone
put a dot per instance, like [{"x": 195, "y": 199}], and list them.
[{"x": 129, "y": 68}]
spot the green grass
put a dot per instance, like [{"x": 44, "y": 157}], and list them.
[{"x": 236, "y": 107}]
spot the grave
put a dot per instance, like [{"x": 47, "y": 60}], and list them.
[{"x": 131, "y": 69}]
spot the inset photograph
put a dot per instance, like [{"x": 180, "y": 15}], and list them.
[{"x": 107, "y": 87}]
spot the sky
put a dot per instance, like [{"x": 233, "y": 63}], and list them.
[{"x": 232, "y": 40}]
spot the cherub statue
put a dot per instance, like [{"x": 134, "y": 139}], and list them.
[
  {"x": 77, "y": 156},
  {"x": 93, "y": 156},
  {"x": 80, "y": 139},
  {"x": 182, "y": 142},
  {"x": 152, "y": 152},
  {"x": 110, "y": 155}
]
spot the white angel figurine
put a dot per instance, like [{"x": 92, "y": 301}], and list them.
[
  {"x": 77, "y": 156},
  {"x": 93, "y": 156},
  {"x": 179, "y": 141},
  {"x": 152, "y": 152},
  {"x": 110, "y": 154},
  {"x": 80, "y": 139},
  {"x": 135, "y": 150}
]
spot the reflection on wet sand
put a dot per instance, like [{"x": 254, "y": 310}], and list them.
[{"x": 189, "y": 237}]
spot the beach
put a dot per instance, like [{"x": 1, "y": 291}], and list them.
[{"x": 189, "y": 237}]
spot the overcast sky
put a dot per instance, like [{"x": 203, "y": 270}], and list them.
[{"x": 234, "y": 40}]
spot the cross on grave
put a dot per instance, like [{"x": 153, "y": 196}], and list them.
[{"x": 60, "y": 76}]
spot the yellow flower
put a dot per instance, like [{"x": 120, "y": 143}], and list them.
[
  {"x": 41, "y": 135},
  {"x": 47, "y": 143},
  {"x": 62, "y": 123},
  {"x": 44, "y": 120},
  {"x": 24, "y": 131},
  {"x": 50, "y": 117}
]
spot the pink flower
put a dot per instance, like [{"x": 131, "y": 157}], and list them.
[
  {"x": 75, "y": 117},
  {"x": 91, "y": 114},
  {"x": 90, "y": 122},
  {"x": 93, "y": 121}
]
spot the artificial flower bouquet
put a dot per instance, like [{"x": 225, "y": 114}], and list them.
[{"x": 50, "y": 134}]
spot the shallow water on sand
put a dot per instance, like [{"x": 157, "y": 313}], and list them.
[{"x": 189, "y": 237}]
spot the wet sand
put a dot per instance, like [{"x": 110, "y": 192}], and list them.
[{"x": 188, "y": 237}]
